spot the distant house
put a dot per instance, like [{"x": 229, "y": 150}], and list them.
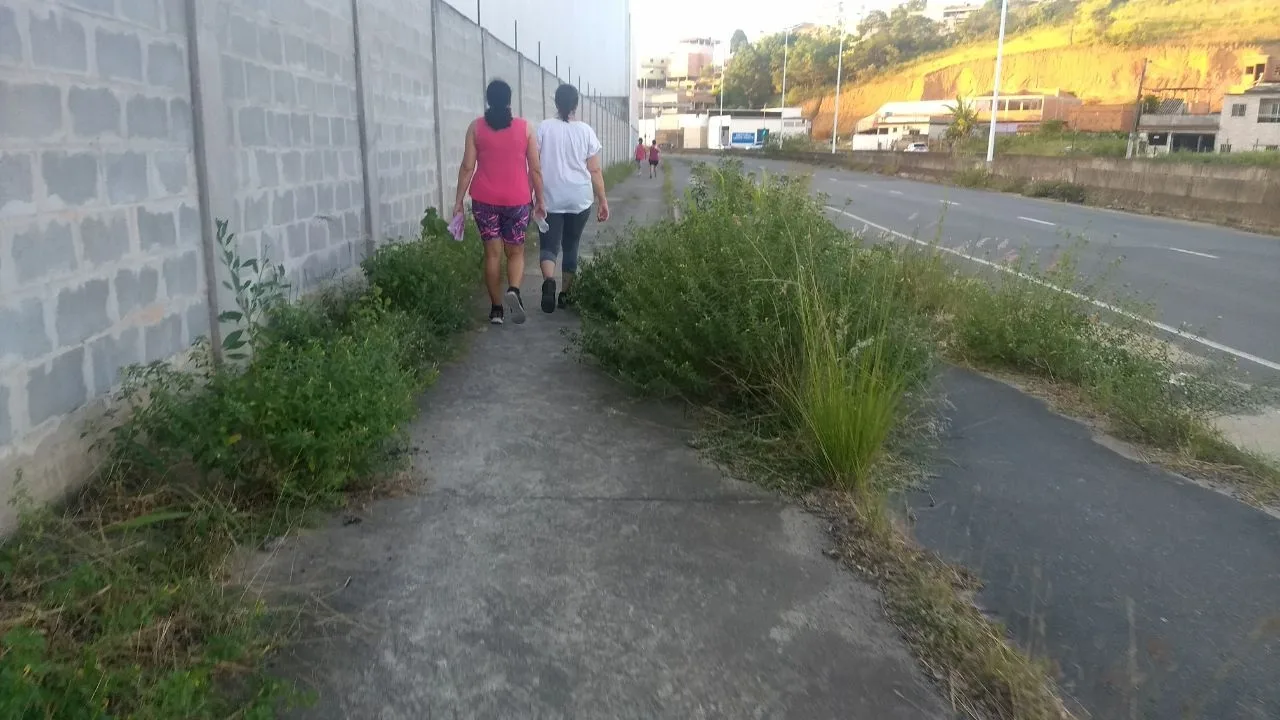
[
  {"x": 1025, "y": 112},
  {"x": 1251, "y": 115},
  {"x": 1178, "y": 126},
  {"x": 897, "y": 124}
]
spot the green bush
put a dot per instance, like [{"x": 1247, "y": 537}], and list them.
[
  {"x": 755, "y": 302},
  {"x": 973, "y": 178},
  {"x": 1057, "y": 190},
  {"x": 1026, "y": 323},
  {"x": 122, "y": 606},
  {"x": 432, "y": 278}
]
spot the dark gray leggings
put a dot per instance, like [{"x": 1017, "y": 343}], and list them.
[{"x": 563, "y": 230}]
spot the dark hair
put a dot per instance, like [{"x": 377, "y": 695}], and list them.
[
  {"x": 566, "y": 101},
  {"x": 498, "y": 96}
]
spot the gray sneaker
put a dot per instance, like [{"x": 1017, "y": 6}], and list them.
[{"x": 515, "y": 306}]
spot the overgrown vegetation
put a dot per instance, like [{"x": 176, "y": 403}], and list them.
[
  {"x": 816, "y": 354},
  {"x": 123, "y": 604},
  {"x": 886, "y": 42},
  {"x": 1050, "y": 143}
]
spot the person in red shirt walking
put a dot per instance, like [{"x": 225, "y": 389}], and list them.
[
  {"x": 641, "y": 154},
  {"x": 655, "y": 156},
  {"x": 501, "y": 168}
]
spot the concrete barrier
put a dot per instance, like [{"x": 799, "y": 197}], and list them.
[{"x": 1232, "y": 195}]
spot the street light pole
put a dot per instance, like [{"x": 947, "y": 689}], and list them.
[
  {"x": 835, "y": 125},
  {"x": 995, "y": 94},
  {"x": 786, "y": 41}
]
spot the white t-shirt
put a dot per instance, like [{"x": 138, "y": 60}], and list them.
[{"x": 564, "y": 148}]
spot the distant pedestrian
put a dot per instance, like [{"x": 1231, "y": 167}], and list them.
[
  {"x": 499, "y": 166},
  {"x": 571, "y": 161},
  {"x": 655, "y": 156},
  {"x": 641, "y": 153}
]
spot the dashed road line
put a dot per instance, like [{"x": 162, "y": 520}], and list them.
[
  {"x": 1177, "y": 332},
  {"x": 1197, "y": 254},
  {"x": 1040, "y": 222},
  {"x": 896, "y": 192}
]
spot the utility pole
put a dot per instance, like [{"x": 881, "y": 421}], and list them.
[
  {"x": 1132, "y": 145},
  {"x": 786, "y": 41},
  {"x": 995, "y": 92},
  {"x": 835, "y": 124},
  {"x": 724, "y": 74}
]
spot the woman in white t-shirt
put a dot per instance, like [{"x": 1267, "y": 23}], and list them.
[{"x": 572, "y": 177}]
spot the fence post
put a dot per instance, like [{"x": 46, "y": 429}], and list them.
[
  {"x": 362, "y": 131},
  {"x": 435, "y": 101},
  {"x": 215, "y": 171},
  {"x": 519, "y": 67},
  {"x": 484, "y": 70}
]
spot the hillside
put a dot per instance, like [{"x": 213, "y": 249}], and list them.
[{"x": 1190, "y": 43}]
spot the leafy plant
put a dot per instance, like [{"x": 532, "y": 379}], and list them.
[{"x": 258, "y": 286}]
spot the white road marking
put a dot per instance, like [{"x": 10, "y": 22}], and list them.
[
  {"x": 948, "y": 202},
  {"x": 913, "y": 216},
  {"x": 1197, "y": 254},
  {"x": 833, "y": 179},
  {"x": 896, "y": 192},
  {"x": 861, "y": 185},
  {"x": 1096, "y": 303},
  {"x": 1041, "y": 222}
]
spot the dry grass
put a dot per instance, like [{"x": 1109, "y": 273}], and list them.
[{"x": 982, "y": 674}]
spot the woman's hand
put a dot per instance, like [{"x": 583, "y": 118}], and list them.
[
  {"x": 540, "y": 210},
  {"x": 602, "y": 213},
  {"x": 458, "y": 209}
]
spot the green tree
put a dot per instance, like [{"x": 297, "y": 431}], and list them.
[
  {"x": 964, "y": 120},
  {"x": 738, "y": 41},
  {"x": 748, "y": 79}
]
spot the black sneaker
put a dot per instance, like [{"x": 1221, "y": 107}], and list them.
[
  {"x": 564, "y": 301},
  {"x": 515, "y": 305},
  {"x": 549, "y": 295},
  {"x": 495, "y": 315}
]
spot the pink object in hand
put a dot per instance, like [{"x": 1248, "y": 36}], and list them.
[{"x": 455, "y": 227}]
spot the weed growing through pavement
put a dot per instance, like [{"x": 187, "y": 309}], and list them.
[{"x": 123, "y": 604}]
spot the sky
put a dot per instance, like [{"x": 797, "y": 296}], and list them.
[{"x": 656, "y": 25}]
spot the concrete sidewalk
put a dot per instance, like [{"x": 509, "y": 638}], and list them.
[{"x": 571, "y": 556}]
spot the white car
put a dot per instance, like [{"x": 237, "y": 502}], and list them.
[{"x": 916, "y": 147}]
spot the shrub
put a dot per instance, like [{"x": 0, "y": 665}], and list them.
[
  {"x": 1057, "y": 190},
  {"x": 755, "y": 302},
  {"x": 432, "y": 279},
  {"x": 973, "y": 178},
  {"x": 122, "y": 607}
]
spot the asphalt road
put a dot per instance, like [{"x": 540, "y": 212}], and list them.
[
  {"x": 1221, "y": 285},
  {"x": 1154, "y": 598}
]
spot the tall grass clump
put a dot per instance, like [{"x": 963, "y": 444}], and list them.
[
  {"x": 1041, "y": 323},
  {"x": 853, "y": 373},
  {"x": 756, "y": 303},
  {"x": 124, "y": 603}
]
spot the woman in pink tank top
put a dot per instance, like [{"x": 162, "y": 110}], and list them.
[{"x": 500, "y": 168}]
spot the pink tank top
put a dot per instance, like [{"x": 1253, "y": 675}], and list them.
[{"x": 502, "y": 166}]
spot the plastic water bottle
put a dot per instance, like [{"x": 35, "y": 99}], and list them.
[{"x": 541, "y": 222}]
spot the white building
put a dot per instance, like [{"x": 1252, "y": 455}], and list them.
[
  {"x": 1251, "y": 116},
  {"x": 717, "y": 132}
]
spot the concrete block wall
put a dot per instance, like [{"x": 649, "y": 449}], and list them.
[
  {"x": 396, "y": 36},
  {"x": 100, "y": 242},
  {"x": 315, "y": 127},
  {"x": 289, "y": 93},
  {"x": 531, "y": 94},
  {"x": 461, "y": 91},
  {"x": 502, "y": 63}
]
